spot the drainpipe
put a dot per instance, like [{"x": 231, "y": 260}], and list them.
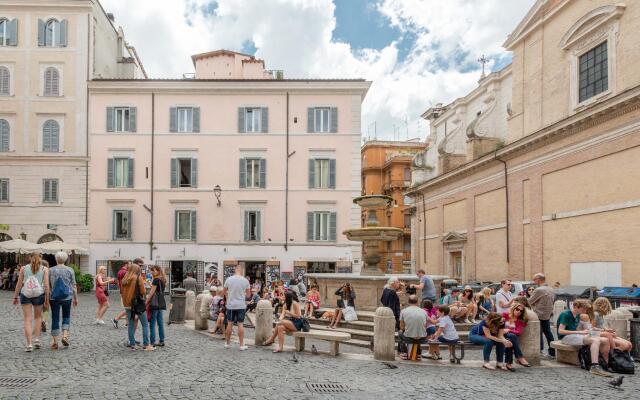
[
  {"x": 286, "y": 185},
  {"x": 506, "y": 195},
  {"x": 424, "y": 227},
  {"x": 153, "y": 138}
]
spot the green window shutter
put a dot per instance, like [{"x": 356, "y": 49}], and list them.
[
  {"x": 110, "y": 172},
  {"x": 241, "y": 112},
  {"x": 5, "y": 131},
  {"x": 62, "y": 33},
  {"x": 44, "y": 190},
  {"x": 173, "y": 119},
  {"x": 114, "y": 219},
  {"x": 334, "y": 119},
  {"x": 194, "y": 229},
  {"x": 12, "y": 31},
  {"x": 4, "y": 190},
  {"x": 265, "y": 119},
  {"x": 310, "y": 216},
  {"x": 332, "y": 226},
  {"x": 332, "y": 174},
  {"x": 263, "y": 173},
  {"x": 194, "y": 172},
  {"x": 246, "y": 226},
  {"x": 41, "y": 41},
  {"x": 133, "y": 119},
  {"x": 258, "y": 225},
  {"x": 310, "y": 121},
  {"x": 174, "y": 172},
  {"x": 175, "y": 225},
  {"x": 130, "y": 173},
  {"x": 196, "y": 119},
  {"x": 129, "y": 225},
  {"x": 243, "y": 173},
  {"x": 110, "y": 119},
  {"x": 312, "y": 173},
  {"x": 54, "y": 190}
]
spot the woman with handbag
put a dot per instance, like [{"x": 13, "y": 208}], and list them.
[
  {"x": 347, "y": 298},
  {"x": 290, "y": 321},
  {"x": 157, "y": 305},
  {"x": 102, "y": 293},
  {"x": 32, "y": 290},
  {"x": 133, "y": 292}
]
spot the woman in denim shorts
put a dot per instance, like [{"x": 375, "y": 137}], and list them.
[{"x": 32, "y": 306}]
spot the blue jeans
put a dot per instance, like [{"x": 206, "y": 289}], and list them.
[
  {"x": 157, "y": 318},
  {"x": 515, "y": 349},
  {"x": 545, "y": 332},
  {"x": 131, "y": 329},
  {"x": 487, "y": 347},
  {"x": 55, "y": 306}
]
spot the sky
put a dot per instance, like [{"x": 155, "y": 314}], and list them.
[{"x": 416, "y": 52}]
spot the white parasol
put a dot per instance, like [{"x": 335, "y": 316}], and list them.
[
  {"x": 18, "y": 246},
  {"x": 56, "y": 245}
]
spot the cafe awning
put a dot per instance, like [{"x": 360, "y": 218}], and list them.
[
  {"x": 56, "y": 246},
  {"x": 18, "y": 246}
]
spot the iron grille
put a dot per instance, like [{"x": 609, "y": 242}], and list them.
[
  {"x": 327, "y": 388},
  {"x": 17, "y": 382}
]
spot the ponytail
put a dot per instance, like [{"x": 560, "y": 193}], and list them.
[{"x": 36, "y": 262}]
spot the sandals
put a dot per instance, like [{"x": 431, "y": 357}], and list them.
[
  {"x": 36, "y": 344},
  {"x": 54, "y": 346},
  {"x": 277, "y": 351},
  {"x": 65, "y": 339},
  {"x": 525, "y": 364},
  {"x": 403, "y": 356},
  {"x": 510, "y": 368},
  {"x": 436, "y": 357},
  {"x": 488, "y": 366},
  {"x": 267, "y": 343},
  {"x": 502, "y": 367},
  {"x": 28, "y": 349}
]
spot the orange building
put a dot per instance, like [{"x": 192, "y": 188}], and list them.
[{"x": 386, "y": 169}]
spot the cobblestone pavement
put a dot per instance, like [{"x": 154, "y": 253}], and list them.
[{"x": 194, "y": 366}]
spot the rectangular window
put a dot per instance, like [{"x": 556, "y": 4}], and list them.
[
  {"x": 4, "y": 190},
  {"x": 185, "y": 225},
  {"x": 122, "y": 225},
  {"x": 121, "y": 172},
  {"x": 50, "y": 190},
  {"x": 321, "y": 174},
  {"x": 321, "y": 120},
  {"x": 184, "y": 174},
  {"x": 122, "y": 119},
  {"x": 253, "y": 120},
  {"x": 321, "y": 226},
  {"x": 185, "y": 119},
  {"x": 594, "y": 73},
  {"x": 407, "y": 221},
  {"x": 252, "y": 225},
  {"x": 253, "y": 172}
]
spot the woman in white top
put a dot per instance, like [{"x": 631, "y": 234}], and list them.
[{"x": 32, "y": 290}]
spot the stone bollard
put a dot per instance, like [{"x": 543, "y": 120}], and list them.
[
  {"x": 384, "y": 330},
  {"x": 264, "y": 321},
  {"x": 627, "y": 315},
  {"x": 530, "y": 339},
  {"x": 201, "y": 311},
  {"x": 558, "y": 307},
  {"x": 617, "y": 321},
  {"x": 190, "y": 305}
]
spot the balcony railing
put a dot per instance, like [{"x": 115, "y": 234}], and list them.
[{"x": 396, "y": 184}]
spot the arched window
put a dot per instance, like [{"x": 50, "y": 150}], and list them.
[
  {"x": 4, "y": 237},
  {"x": 51, "y": 82},
  {"x": 4, "y": 81},
  {"x": 51, "y": 136},
  {"x": 49, "y": 237},
  {"x": 5, "y": 131},
  {"x": 52, "y": 33}
]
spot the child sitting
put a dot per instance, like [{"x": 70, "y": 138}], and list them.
[{"x": 446, "y": 333}]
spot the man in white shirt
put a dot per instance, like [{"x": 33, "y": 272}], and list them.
[
  {"x": 504, "y": 298},
  {"x": 237, "y": 289}
]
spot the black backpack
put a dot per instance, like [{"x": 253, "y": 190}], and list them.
[
  {"x": 621, "y": 362},
  {"x": 584, "y": 359}
]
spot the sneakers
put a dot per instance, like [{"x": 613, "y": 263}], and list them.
[
  {"x": 100, "y": 322},
  {"x": 597, "y": 370},
  {"x": 244, "y": 347},
  {"x": 114, "y": 322},
  {"x": 36, "y": 344},
  {"x": 227, "y": 346},
  {"x": 28, "y": 349}
]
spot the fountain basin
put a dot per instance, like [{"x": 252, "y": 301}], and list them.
[
  {"x": 373, "y": 201},
  {"x": 382, "y": 234}
]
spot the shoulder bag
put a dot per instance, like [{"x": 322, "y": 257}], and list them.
[{"x": 138, "y": 305}]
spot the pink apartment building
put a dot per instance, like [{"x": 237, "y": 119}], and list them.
[{"x": 235, "y": 166}]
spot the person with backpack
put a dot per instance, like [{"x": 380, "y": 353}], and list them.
[
  {"x": 32, "y": 289},
  {"x": 157, "y": 305},
  {"x": 63, "y": 293},
  {"x": 133, "y": 292}
]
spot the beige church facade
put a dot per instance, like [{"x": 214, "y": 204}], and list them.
[{"x": 538, "y": 169}]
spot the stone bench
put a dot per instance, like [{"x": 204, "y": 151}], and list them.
[
  {"x": 565, "y": 353},
  {"x": 334, "y": 337}
]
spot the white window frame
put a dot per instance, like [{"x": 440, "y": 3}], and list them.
[
  {"x": 123, "y": 162},
  {"x": 59, "y": 67},
  {"x": 125, "y": 119},
  {"x": 176, "y": 219},
  {"x": 57, "y": 199},
  {"x": 318, "y": 166},
  {"x": 55, "y": 26},
  {"x": 319, "y": 121},
  {"x": 184, "y": 119},
  {"x": 114, "y": 228},
  {"x": 257, "y": 234},
  {"x": 253, "y": 119},
  {"x": 3, "y": 28},
  {"x": 321, "y": 226},
  {"x": 60, "y": 120},
  {"x": 252, "y": 166},
  {"x": 189, "y": 173}
]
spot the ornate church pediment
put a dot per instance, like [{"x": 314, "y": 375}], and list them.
[
  {"x": 476, "y": 127},
  {"x": 454, "y": 237},
  {"x": 591, "y": 26}
]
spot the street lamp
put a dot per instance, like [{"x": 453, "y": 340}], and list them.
[{"x": 217, "y": 191}]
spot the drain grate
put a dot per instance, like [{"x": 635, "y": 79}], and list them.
[
  {"x": 17, "y": 382},
  {"x": 327, "y": 388}
]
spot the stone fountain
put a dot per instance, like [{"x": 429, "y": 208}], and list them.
[{"x": 372, "y": 234}]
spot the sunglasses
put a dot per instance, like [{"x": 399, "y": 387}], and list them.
[{"x": 519, "y": 310}]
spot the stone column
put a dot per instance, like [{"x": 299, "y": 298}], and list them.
[
  {"x": 198, "y": 322},
  {"x": 201, "y": 311},
  {"x": 264, "y": 321},
  {"x": 384, "y": 329},
  {"x": 558, "y": 307},
  {"x": 530, "y": 339},
  {"x": 190, "y": 305}
]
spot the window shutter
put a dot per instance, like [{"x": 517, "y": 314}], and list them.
[
  {"x": 62, "y": 33},
  {"x": 133, "y": 116},
  {"x": 41, "y": 33},
  {"x": 174, "y": 172},
  {"x": 55, "y": 137},
  {"x": 173, "y": 119},
  {"x": 5, "y": 90},
  {"x": 129, "y": 225},
  {"x": 334, "y": 119},
  {"x": 12, "y": 31},
  {"x": 243, "y": 173},
  {"x": 54, "y": 190},
  {"x": 51, "y": 82},
  {"x": 196, "y": 119},
  {"x": 44, "y": 190},
  {"x": 110, "y": 119},
  {"x": 194, "y": 228},
  {"x": 4, "y": 190},
  {"x": 194, "y": 172},
  {"x": 246, "y": 226},
  {"x": 312, "y": 173},
  {"x": 263, "y": 173},
  {"x": 332, "y": 226},
  {"x": 258, "y": 225},
  {"x": 310, "y": 216},
  {"x": 110, "y": 172},
  {"x": 4, "y": 135},
  {"x": 175, "y": 225},
  {"x": 265, "y": 119},
  {"x": 114, "y": 219},
  {"x": 130, "y": 173},
  {"x": 332, "y": 174},
  {"x": 310, "y": 115},
  {"x": 241, "y": 112}
]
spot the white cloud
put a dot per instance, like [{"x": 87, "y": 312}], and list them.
[{"x": 296, "y": 36}]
